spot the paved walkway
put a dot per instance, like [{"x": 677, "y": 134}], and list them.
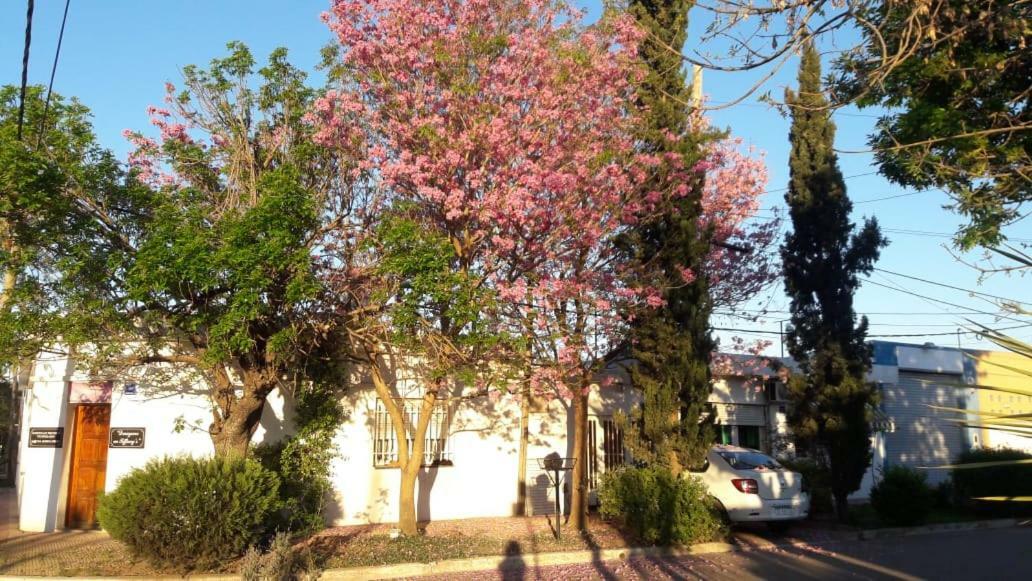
[{"x": 63, "y": 553}]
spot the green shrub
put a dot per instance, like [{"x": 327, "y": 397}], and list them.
[
  {"x": 902, "y": 497},
  {"x": 944, "y": 495},
  {"x": 282, "y": 562},
  {"x": 303, "y": 460},
  {"x": 817, "y": 481},
  {"x": 190, "y": 513},
  {"x": 659, "y": 507},
  {"x": 303, "y": 468},
  {"x": 1004, "y": 481}
]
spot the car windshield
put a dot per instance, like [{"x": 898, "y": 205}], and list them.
[{"x": 750, "y": 461}]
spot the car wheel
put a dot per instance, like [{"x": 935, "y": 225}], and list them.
[{"x": 779, "y": 527}]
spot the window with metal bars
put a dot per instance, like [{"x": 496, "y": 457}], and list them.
[
  {"x": 436, "y": 448},
  {"x": 612, "y": 449},
  {"x": 612, "y": 444}
]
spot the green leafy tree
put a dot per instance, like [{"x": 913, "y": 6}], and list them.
[
  {"x": 954, "y": 75},
  {"x": 208, "y": 257},
  {"x": 822, "y": 259},
  {"x": 671, "y": 344},
  {"x": 43, "y": 228}
]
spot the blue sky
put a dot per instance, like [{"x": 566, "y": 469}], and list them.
[{"x": 117, "y": 54}]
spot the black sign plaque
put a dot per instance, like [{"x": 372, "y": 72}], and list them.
[
  {"x": 126, "y": 437},
  {"x": 46, "y": 437}
]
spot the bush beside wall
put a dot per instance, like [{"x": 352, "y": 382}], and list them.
[
  {"x": 902, "y": 497},
  {"x": 303, "y": 460},
  {"x": 658, "y": 507},
  {"x": 994, "y": 481},
  {"x": 192, "y": 513}
]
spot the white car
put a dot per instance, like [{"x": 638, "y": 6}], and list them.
[{"x": 753, "y": 487}]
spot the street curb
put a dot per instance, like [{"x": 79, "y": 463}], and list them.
[
  {"x": 516, "y": 562},
  {"x": 534, "y": 560},
  {"x": 503, "y": 563},
  {"x": 888, "y": 533}
]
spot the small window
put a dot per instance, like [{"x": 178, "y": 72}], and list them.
[
  {"x": 436, "y": 447},
  {"x": 749, "y": 437},
  {"x": 725, "y": 435}
]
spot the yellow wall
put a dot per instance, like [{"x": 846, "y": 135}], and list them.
[{"x": 1001, "y": 402}]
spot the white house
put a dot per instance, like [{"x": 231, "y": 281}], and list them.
[{"x": 80, "y": 436}]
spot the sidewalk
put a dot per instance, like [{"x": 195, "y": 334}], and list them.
[
  {"x": 78, "y": 553},
  {"x": 64, "y": 553}
]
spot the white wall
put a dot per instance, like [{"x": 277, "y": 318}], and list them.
[
  {"x": 738, "y": 390},
  {"x": 164, "y": 400},
  {"x": 484, "y": 447},
  {"x": 930, "y": 359},
  {"x": 874, "y": 472},
  {"x": 40, "y": 470}
]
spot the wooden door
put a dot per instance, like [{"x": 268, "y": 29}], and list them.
[{"x": 89, "y": 464}]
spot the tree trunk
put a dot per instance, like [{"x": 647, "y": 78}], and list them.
[
  {"x": 842, "y": 508},
  {"x": 409, "y": 461},
  {"x": 521, "y": 469},
  {"x": 232, "y": 432},
  {"x": 407, "y": 517},
  {"x": 407, "y": 520},
  {"x": 579, "y": 482}
]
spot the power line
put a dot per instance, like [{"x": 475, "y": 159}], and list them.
[
  {"x": 920, "y": 296},
  {"x": 885, "y": 313},
  {"x": 755, "y": 319},
  {"x": 769, "y": 107},
  {"x": 855, "y": 202},
  {"x": 883, "y": 335},
  {"x": 53, "y": 72},
  {"x": 950, "y": 333},
  {"x": 25, "y": 68},
  {"x": 891, "y": 197},
  {"x": 949, "y": 286},
  {"x": 939, "y": 234},
  {"x": 785, "y": 189}
]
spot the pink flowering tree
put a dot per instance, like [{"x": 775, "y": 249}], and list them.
[
  {"x": 500, "y": 137},
  {"x": 743, "y": 258},
  {"x": 500, "y": 134}
]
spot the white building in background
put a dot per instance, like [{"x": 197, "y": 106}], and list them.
[{"x": 79, "y": 436}]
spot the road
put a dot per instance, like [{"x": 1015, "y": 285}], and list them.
[{"x": 996, "y": 554}]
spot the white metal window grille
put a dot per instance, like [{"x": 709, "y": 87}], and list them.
[
  {"x": 436, "y": 449},
  {"x": 612, "y": 449},
  {"x": 612, "y": 444},
  {"x": 592, "y": 455}
]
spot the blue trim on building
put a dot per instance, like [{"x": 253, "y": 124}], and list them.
[{"x": 884, "y": 353}]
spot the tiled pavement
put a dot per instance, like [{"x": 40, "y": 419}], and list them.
[{"x": 61, "y": 553}]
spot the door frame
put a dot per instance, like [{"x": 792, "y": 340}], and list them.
[{"x": 73, "y": 440}]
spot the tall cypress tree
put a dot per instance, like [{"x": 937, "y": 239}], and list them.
[
  {"x": 822, "y": 259},
  {"x": 671, "y": 344}
]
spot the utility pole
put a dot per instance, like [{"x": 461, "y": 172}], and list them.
[{"x": 781, "y": 337}]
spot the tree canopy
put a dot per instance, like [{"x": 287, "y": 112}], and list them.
[{"x": 954, "y": 77}]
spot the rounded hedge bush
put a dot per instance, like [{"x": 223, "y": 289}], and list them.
[
  {"x": 902, "y": 497},
  {"x": 659, "y": 507},
  {"x": 190, "y": 513}
]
